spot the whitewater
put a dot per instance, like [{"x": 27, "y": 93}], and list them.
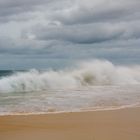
[{"x": 93, "y": 85}]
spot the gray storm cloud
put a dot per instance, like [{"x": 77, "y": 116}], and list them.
[
  {"x": 88, "y": 11},
  {"x": 40, "y": 30},
  {"x": 87, "y": 33}
]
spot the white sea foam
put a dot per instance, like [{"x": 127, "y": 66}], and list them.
[{"x": 90, "y": 73}]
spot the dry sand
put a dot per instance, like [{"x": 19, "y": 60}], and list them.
[{"x": 123, "y": 124}]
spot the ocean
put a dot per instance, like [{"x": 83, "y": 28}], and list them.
[{"x": 92, "y": 85}]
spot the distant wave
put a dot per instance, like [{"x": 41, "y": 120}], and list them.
[{"x": 90, "y": 73}]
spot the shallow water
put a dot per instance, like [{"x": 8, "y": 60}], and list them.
[{"x": 98, "y": 97}]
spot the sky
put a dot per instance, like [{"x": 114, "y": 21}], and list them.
[{"x": 56, "y": 33}]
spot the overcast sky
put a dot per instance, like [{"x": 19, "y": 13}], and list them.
[{"x": 54, "y": 33}]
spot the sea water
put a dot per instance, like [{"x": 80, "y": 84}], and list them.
[{"x": 88, "y": 85}]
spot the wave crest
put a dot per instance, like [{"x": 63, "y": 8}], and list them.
[{"x": 90, "y": 73}]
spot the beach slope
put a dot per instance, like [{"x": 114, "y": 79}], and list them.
[{"x": 123, "y": 124}]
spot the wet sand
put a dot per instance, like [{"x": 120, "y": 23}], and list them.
[{"x": 123, "y": 124}]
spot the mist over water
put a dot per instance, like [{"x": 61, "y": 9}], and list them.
[{"x": 92, "y": 84}]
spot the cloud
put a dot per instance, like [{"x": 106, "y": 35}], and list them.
[
  {"x": 87, "y": 33},
  {"x": 13, "y": 10},
  {"x": 87, "y": 21},
  {"x": 68, "y": 30},
  {"x": 88, "y": 11}
]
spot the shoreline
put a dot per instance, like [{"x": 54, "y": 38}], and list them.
[
  {"x": 82, "y": 110},
  {"x": 90, "y": 125}
]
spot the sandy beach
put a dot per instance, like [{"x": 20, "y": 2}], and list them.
[{"x": 123, "y": 124}]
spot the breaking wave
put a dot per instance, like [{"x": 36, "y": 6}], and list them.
[{"x": 92, "y": 73}]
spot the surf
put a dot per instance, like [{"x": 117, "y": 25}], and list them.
[{"x": 91, "y": 73}]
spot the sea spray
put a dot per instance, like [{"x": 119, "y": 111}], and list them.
[{"x": 92, "y": 73}]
